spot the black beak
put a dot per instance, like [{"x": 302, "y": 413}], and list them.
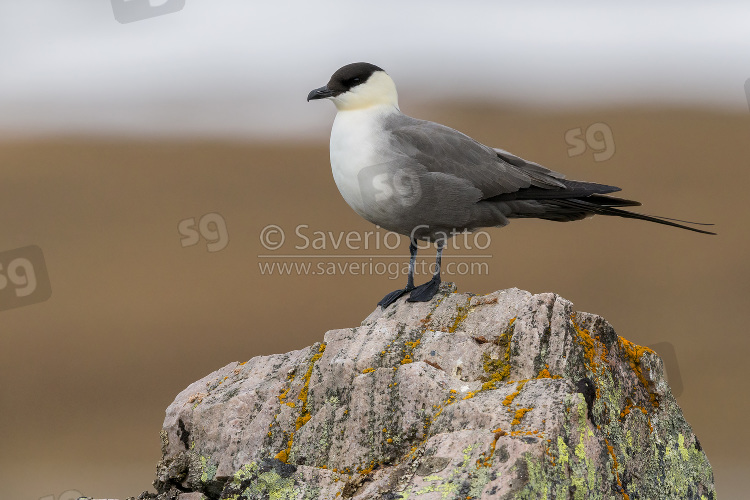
[{"x": 320, "y": 93}]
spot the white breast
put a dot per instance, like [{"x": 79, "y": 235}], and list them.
[{"x": 357, "y": 141}]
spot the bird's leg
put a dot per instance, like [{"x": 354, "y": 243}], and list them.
[
  {"x": 425, "y": 292},
  {"x": 394, "y": 296}
]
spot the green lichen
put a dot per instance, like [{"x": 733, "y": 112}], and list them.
[
  {"x": 468, "y": 480},
  {"x": 685, "y": 467},
  {"x": 562, "y": 451},
  {"x": 208, "y": 470},
  {"x": 251, "y": 483},
  {"x": 605, "y": 461}
]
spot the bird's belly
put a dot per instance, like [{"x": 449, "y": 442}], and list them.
[{"x": 346, "y": 166}]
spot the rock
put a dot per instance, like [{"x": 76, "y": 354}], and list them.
[{"x": 506, "y": 395}]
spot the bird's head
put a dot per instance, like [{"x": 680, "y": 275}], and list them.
[{"x": 357, "y": 86}]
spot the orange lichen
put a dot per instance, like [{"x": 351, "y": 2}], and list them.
[
  {"x": 367, "y": 470},
  {"x": 510, "y": 397},
  {"x": 488, "y": 459},
  {"x": 519, "y": 415},
  {"x": 590, "y": 346},
  {"x": 531, "y": 433},
  {"x": 633, "y": 354},
  {"x": 499, "y": 369},
  {"x": 545, "y": 373},
  {"x": 629, "y": 405},
  {"x": 368, "y": 370}
]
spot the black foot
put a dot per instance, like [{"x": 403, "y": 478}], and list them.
[
  {"x": 425, "y": 292},
  {"x": 393, "y": 297}
]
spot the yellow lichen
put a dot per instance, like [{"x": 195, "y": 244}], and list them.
[
  {"x": 304, "y": 415},
  {"x": 462, "y": 312},
  {"x": 499, "y": 369}
]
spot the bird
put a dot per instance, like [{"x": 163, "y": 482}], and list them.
[{"x": 430, "y": 182}]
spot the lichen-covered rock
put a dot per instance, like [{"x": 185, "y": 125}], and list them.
[{"x": 506, "y": 395}]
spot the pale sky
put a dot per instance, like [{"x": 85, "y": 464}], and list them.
[{"x": 243, "y": 69}]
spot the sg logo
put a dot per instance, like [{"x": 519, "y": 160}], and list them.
[
  {"x": 598, "y": 137},
  {"x": 128, "y": 11},
  {"x": 23, "y": 278},
  {"x": 211, "y": 226},
  {"x": 66, "y": 495}
]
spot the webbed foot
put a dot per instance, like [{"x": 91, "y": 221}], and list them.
[
  {"x": 394, "y": 296},
  {"x": 426, "y": 291}
]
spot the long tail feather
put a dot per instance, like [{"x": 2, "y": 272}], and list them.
[{"x": 616, "y": 212}]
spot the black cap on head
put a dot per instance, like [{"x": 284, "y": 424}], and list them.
[
  {"x": 351, "y": 75},
  {"x": 344, "y": 79}
]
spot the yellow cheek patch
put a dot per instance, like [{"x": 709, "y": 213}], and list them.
[{"x": 379, "y": 89}]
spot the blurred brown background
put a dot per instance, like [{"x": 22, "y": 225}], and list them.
[{"x": 134, "y": 317}]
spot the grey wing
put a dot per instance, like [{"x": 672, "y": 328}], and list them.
[
  {"x": 542, "y": 174},
  {"x": 496, "y": 173},
  {"x": 443, "y": 150},
  {"x": 510, "y": 186}
]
